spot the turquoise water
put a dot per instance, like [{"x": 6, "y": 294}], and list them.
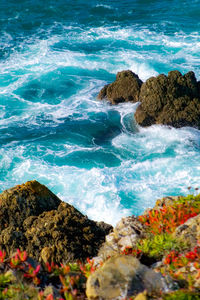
[{"x": 54, "y": 58}]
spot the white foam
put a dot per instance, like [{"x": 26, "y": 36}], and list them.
[
  {"x": 155, "y": 161},
  {"x": 39, "y": 57},
  {"x": 96, "y": 192},
  {"x": 83, "y": 188},
  {"x": 104, "y": 6}
]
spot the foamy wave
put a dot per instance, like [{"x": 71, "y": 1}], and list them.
[
  {"x": 90, "y": 195},
  {"x": 156, "y": 162},
  {"x": 104, "y": 6},
  {"x": 151, "y": 162},
  {"x": 40, "y": 57}
]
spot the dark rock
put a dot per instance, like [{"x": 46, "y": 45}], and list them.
[
  {"x": 22, "y": 201},
  {"x": 125, "y": 88},
  {"x": 32, "y": 218},
  {"x": 11, "y": 239},
  {"x": 107, "y": 227},
  {"x": 171, "y": 100},
  {"x": 64, "y": 234}
]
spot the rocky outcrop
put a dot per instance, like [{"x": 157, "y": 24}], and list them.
[
  {"x": 170, "y": 100},
  {"x": 123, "y": 276},
  {"x": 189, "y": 231},
  {"x": 22, "y": 201},
  {"x": 166, "y": 201},
  {"x": 126, "y": 233},
  {"x": 33, "y": 218},
  {"x": 125, "y": 88}
]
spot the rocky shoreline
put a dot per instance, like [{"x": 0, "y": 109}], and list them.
[
  {"x": 153, "y": 256},
  {"x": 172, "y": 100}
]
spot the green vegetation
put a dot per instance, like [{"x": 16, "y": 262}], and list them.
[
  {"x": 20, "y": 279},
  {"x": 182, "y": 295},
  {"x": 158, "y": 245}
]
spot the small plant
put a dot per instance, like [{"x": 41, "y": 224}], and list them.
[
  {"x": 182, "y": 295},
  {"x": 131, "y": 251},
  {"x": 168, "y": 218},
  {"x": 184, "y": 266},
  {"x": 157, "y": 245},
  {"x": 2, "y": 256}
]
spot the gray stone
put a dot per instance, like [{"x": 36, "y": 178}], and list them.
[{"x": 123, "y": 276}]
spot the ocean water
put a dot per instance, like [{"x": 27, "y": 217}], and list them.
[{"x": 55, "y": 56}]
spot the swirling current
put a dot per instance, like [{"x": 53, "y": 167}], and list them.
[{"x": 55, "y": 56}]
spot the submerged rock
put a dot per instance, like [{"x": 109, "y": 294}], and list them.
[
  {"x": 171, "y": 100},
  {"x": 125, "y": 88},
  {"x": 32, "y": 218},
  {"x": 123, "y": 276}
]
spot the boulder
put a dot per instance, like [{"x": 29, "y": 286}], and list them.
[
  {"x": 125, "y": 88},
  {"x": 170, "y": 100},
  {"x": 32, "y": 218},
  {"x": 123, "y": 276}
]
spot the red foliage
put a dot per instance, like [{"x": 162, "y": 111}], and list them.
[
  {"x": 168, "y": 218},
  {"x": 131, "y": 251}
]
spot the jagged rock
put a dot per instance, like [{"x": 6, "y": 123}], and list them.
[
  {"x": 125, "y": 234},
  {"x": 22, "y": 201},
  {"x": 189, "y": 231},
  {"x": 171, "y": 100},
  {"x": 166, "y": 201},
  {"x": 32, "y": 218},
  {"x": 123, "y": 276},
  {"x": 64, "y": 234},
  {"x": 11, "y": 239},
  {"x": 125, "y": 88}
]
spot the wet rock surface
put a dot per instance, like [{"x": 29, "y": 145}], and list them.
[
  {"x": 33, "y": 218},
  {"x": 125, "y": 88}
]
